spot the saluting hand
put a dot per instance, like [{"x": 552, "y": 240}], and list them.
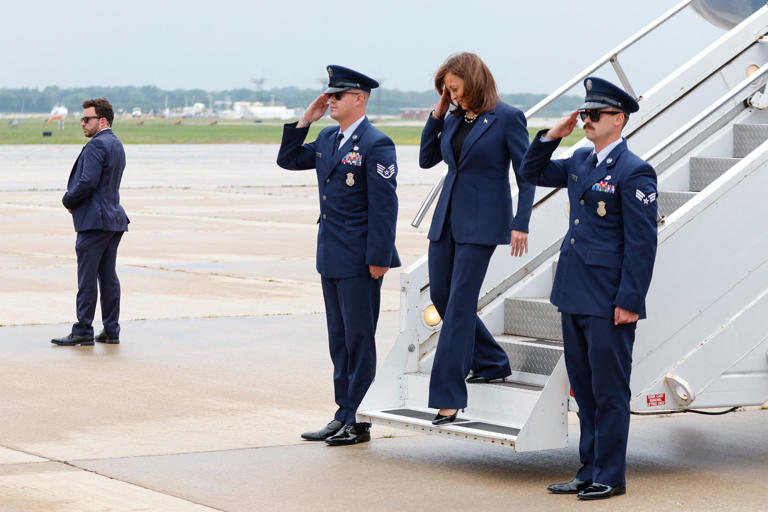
[
  {"x": 519, "y": 242},
  {"x": 564, "y": 126},
  {"x": 316, "y": 109},
  {"x": 442, "y": 107},
  {"x": 624, "y": 316}
]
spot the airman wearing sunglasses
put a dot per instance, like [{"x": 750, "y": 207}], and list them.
[
  {"x": 603, "y": 274},
  {"x": 356, "y": 175}
]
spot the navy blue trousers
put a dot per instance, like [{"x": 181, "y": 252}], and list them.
[
  {"x": 456, "y": 272},
  {"x": 352, "y": 311},
  {"x": 96, "y": 256},
  {"x": 598, "y": 356}
]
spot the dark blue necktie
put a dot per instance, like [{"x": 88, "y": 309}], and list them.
[
  {"x": 338, "y": 142},
  {"x": 594, "y": 159}
]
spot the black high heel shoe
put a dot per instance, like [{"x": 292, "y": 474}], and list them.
[
  {"x": 479, "y": 379},
  {"x": 442, "y": 420}
]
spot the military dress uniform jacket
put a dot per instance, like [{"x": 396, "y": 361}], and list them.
[
  {"x": 476, "y": 193},
  {"x": 93, "y": 189},
  {"x": 607, "y": 256},
  {"x": 358, "y": 203}
]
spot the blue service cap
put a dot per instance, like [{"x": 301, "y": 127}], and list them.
[
  {"x": 602, "y": 93},
  {"x": 341, "y": 79}
]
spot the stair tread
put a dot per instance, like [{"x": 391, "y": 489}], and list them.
[
  {"x": 528, "y": 340},
  {"x": 530, "y": 299},
  {"x": 509, "y": 382},
  {"x": 463, "y": 424}
]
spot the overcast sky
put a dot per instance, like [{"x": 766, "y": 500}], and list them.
[{"x": 531, "y": 46}]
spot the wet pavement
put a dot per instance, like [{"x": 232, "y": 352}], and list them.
[{"x": 223, "y": 363}]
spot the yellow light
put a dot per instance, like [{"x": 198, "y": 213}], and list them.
[
  {"x": 431, "y": 316},
  {"x": 751, "y": 71}
]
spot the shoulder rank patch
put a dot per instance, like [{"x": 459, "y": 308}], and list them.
[
  {"x": 385, "y": 172},
  {"x": 645, "y": 199}
]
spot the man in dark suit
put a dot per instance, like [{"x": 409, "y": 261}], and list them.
[
  {"x": 356, "y": 170},
  {"x": 603, "y": 274},
  {"x": 93, "y": 199}
]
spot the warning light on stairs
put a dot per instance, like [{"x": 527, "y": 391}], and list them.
[{"x": 431, "y": 316}]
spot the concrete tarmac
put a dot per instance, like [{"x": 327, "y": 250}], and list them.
[{"x": 223, "y": 363}]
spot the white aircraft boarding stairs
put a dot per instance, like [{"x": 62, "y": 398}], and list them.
[{"x": 705, "y": 342}]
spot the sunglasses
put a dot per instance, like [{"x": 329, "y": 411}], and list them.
[
  {"x": 86, "y": 119},
  {"x": 338, "y": 95},
  {"x": 594, "y": 115}
]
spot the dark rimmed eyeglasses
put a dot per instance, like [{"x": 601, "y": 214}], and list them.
[
  {"x": 338, "y": 95},
  {"x": 86, "y": 119},
  {"x": 594, "y": 115}
]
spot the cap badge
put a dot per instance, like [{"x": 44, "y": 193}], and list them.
[
  {"x": 589, "y": 84},
  {"x": 601, "y": 208},
  {"x": 330, "y": 71},
  {"x": 350, "y": 179}
]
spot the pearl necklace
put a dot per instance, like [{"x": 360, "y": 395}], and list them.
[{"x": 469, "y": 119}]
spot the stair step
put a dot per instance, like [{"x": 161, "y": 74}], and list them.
[
  {"x": 535, "y": 318},
  {"x": 465, "y": 427},
  {"x": 670, "y": 201},
  {"x": 704, "y": 171},
  {"x": 746, "y": 137},
  {"x": 500, "y": 403},
  {"x": 528, "y": 355}
]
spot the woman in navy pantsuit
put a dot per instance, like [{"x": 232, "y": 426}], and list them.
[{"x": 478, "y": 140}]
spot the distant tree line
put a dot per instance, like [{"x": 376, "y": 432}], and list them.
[{"x": 150, "y": 98}]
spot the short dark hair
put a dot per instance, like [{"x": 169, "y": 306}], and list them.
[
  {"x": 480, "y": 93},
  {"x": 626, "y": 120},
  {"x": 103, "y": 108}
]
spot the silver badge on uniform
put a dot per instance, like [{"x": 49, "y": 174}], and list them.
[
  {"x": 601, "y": 208},
  {"x": 355, "y": 148},
  {"x": 350, "y": 179}
]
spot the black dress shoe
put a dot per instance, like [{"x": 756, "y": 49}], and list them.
[
  {"x": 327, "y": 431},
  {"x": 572, "y": 487},
  {"x": 350, "y": 434},
  {"x": 103, "y": 338},
  {"x": 479, "y": 379},
  {"x": 598, "y": 491},
  {"x": 73, "y": 339},
  {"x": 442, "y": 420}
]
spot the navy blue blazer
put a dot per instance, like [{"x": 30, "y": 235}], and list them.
[
  {"x": 476, "y": 189},
  {"x": 607, "y": 256},
  {"x": 358, "y": 203},
  {"x": 93, "y": 189}
]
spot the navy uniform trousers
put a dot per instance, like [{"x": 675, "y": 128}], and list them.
[
  {"x": 351, "y": 311},
  {"x": 96, "y": 259},
  {"x": 598, "y": 357},
  {"x": 457, "y": 271}
]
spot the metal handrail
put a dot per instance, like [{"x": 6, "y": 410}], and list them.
[
  {"x": 429, "y": 200},
  {"x": 690, "y": 125},
  {"x": 611, "y": 56}
]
